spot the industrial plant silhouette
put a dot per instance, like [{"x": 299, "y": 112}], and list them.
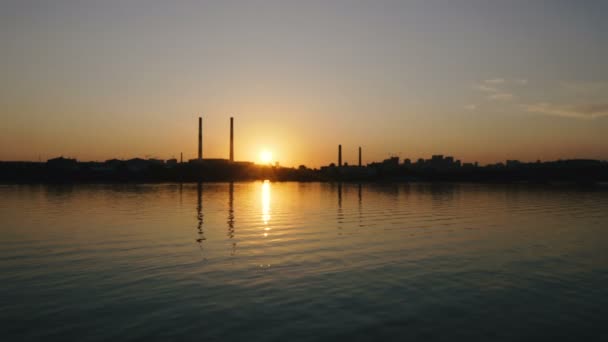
[{"x": 437, "y": 168}]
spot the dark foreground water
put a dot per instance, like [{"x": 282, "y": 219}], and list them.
[{"x": 297, "y": 262}]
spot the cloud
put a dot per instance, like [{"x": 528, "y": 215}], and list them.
[
  {"x": 495, "y": 81},
  {"x": 586, "y": 88},
  {"x": 586, "y": 111},
  {"x": 485, "y": 88},
  {"x": 501, "y": 97},
  {"x": 471, "y": 107},
  {"x": 495, "y": 88}
]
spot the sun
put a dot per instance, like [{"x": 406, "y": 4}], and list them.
[{"x": 266, "y": 157}]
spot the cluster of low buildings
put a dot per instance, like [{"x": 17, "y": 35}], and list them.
[
  {"x": 134, "y": 164},
  {"x": 436, "y": 162}
]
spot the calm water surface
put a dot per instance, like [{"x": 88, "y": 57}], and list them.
[{"x": 297, "y": 262}]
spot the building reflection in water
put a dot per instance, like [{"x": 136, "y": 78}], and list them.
[
  {"x": 231, "y": 216},
  {"x": 266, "y": 206},
  {"x": 199, "y": 215},
  {"x": 181, "y": 189}
]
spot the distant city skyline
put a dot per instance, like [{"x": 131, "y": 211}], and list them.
[{"x": 478, "y": 80}]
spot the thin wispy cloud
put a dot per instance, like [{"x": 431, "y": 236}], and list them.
[
  {"x": 501, "y": 97},
  {"x": 585, "y": 88},
  {"x": 590, "y": 95},
  {"x": 470, "y": 107},
  {"x": 495, "y": 81},
  {"x": 586, "y": 111},
  {"x": 495, "y": 88},
  {"x": 485, "y": 88}
]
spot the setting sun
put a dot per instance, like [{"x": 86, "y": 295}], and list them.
[{"x": 266, "y": 157}]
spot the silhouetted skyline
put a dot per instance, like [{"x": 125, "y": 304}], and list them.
[
  {"x": 437, "y": 168},
  {"x": 437, "y": 161}
]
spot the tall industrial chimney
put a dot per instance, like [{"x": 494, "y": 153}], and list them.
[
  {"x": 200, "y": 138},
  {"x": 340, "y": 155},
  {"x": 231, "y": 139},
  {"x": 359, "y": 156}
]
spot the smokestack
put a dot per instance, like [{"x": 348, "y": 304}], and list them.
[
  {"x": 200, "y": 138},
  {"x": 359, "y": 156},
  {"x": 231, "y": 139},
  {"x": 340, "y": 155}
]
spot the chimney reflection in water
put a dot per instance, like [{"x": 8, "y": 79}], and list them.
[
  {"x": 231, "y": 210},
  {"x": 231, "y": 216},
  {"x": 199, "y": 214}
]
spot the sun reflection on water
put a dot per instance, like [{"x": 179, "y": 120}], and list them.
[{"x": 266, "y": 205}]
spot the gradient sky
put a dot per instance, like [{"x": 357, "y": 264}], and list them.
[{"x": 479, "y": 80}]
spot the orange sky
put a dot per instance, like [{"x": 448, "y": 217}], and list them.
[{"x": 116, "y": 79}]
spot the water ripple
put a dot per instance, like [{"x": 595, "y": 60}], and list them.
[{"x": 310, "y": 261}]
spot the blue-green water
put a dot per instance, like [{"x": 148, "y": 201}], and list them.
[{"x": 303, "y": 262}]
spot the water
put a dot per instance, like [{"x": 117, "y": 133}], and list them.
[{"x": 303, "y": 262}]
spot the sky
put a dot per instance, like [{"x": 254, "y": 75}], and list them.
[{"x": 479, "y": 80}]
